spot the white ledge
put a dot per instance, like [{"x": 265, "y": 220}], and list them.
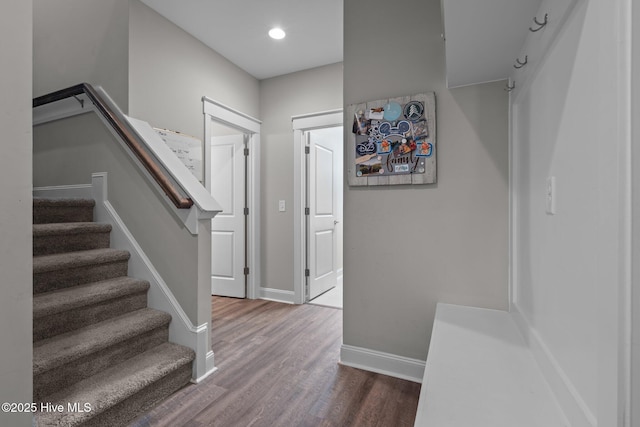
[{"x": 481, "y": 373}]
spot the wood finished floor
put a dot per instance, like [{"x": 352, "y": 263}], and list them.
[{"x": 278, "y": 366}]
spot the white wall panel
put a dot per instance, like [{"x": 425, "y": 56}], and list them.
[{"x": 567, "y": 278}]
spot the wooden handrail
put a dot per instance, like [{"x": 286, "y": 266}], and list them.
[{"x": 130, "y": 138}]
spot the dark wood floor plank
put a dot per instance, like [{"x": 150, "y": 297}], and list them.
[{"x": 278, "y": 366}]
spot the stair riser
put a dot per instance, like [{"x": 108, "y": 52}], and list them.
[
  {"x": 90, "y": 364},
  {"x": 143, "y": 401},
  {"x": 59, "y": 323},
  {"x": 56, "y": 244},
  {"x": 59, "y": 279},
  {"x": 53, "y": 214}
]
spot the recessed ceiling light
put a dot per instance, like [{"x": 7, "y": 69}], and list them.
[{"x": 277, "y": 33}]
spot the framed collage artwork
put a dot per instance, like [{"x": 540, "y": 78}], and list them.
[{"x": 392, "y": 141}]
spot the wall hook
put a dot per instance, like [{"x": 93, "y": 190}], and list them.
[
  {"x": 540, "y": 25},
  {"x": 510, "y": 87},
  {"x": 519, "y": 64}
]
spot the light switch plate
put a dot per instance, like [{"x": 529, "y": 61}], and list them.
[
  {"x": 282, "y": 206},
  {"x": 551, "y": 195}
]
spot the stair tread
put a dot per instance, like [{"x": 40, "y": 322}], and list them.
[
  {"x": 48, "y": 303},
  {"x": 66, "y": 228},
  {"x": 65, "y": 348},
  {"x": 44, "y": 263},
  {"x": 116, "y": 384}
]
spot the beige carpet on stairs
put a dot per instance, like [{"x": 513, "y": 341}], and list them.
[{"x": 101, "y": 357}]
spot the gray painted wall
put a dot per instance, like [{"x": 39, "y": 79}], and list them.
[
  {"x": 77, "y": 41},
  {"x": 310, "y": 91},
  {"x": 68, "y": 151},
  {"x": 407, "y": 248},
  {"x": 16, "y": 305},
  {"x": 170, "y": 71}
]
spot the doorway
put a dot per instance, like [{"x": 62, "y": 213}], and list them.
[
  {"x": 318, "y": 191},
  {"x": 232, "y": 176}
]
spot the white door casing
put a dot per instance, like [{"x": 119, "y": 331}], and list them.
[
  {"x": 325, "y": 176},
  {"x": 217, "y": 113},
  {"x": 301, "y": 125},
  {"x": 228, "y": 227}
]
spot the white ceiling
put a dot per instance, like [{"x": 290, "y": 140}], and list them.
[
  {"x": 484, "y": 38},
  {"x": 237, "y": 29}
]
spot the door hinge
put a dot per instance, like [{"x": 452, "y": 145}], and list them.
[
  {"x": 306, "y": 211},
  {"x": 307, "y": 273},
  {"x": 246, "y": 152},
  {"x": 246, "y": 211},
  {"x": 246, "y": 271},
  {"x": 306, "y": 150}
]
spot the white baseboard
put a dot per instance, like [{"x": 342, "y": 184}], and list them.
[
  {"x": 159, "y": 297},
  {"x": 210, "y": 368},
  {"x": 277, "y": 295},
  {"x": 568, "y": 397},
  {"x": 382, "y": 363},
  {"x": 83, "y": 191}
]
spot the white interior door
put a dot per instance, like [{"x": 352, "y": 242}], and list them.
[
  {"x": 228, "y": 227},
  {"x": 325, "y": 208}
]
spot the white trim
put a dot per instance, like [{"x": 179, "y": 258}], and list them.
[
  {"x": 301, "y": 124},
  {"x": 159, "y": 296},
  {"x": 382, "y": 363},
  {"x": 253, "y": 175},
  {"x": 512, "y": 203},
  {"x": 229, "y": 116},
  {"x": 572, "y": 404},
  {"x": 196, "y": 191},
  {"x": 83, "y": 191},
  {"x": 211, "y": 368},
  {"x": 277, "y": 295},
  {"x": 318, "y": 120},
  {"x": 218, "y": 112},
  {"x": 299, "y": 232}
]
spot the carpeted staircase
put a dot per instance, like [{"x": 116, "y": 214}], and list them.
[{"x": 98, "y": 350}]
